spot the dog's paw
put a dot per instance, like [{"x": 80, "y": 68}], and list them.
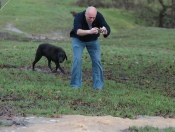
[
  {"x": 54, "y": 71},
  {"x": 64, "y": 74}
]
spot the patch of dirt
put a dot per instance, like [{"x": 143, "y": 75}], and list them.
[
  {"x": 80, "y": 123},
  {"x": 12, "y": 122},
  {"x": 28, "y": 37},
  {"x": 8, "y": 36}
]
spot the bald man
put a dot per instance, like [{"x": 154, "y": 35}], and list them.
[{"x": 87, "y": 27}]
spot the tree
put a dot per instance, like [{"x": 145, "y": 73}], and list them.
[
  {"x": 159, "y": 13},
  {"x": 167, "y": 14}
]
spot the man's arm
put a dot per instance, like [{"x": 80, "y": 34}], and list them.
[
  {"x": 104, "y": 25},
  {"x": 81, "y": 32}
]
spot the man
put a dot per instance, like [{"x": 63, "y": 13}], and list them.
[{"x": 85, "y": 33}]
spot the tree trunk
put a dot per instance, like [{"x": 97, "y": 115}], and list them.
[
  {"x": 173, "y": 14},
  {"x": 162, "y": 13}
]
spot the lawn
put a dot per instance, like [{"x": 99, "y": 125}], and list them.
[{"x": 138, "y": 65}]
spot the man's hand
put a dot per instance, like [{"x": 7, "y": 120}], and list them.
[
  {"x": 104, "y": 30},
  {"x": 94, "y": 30}
]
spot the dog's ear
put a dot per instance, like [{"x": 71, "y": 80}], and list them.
[{"x": 66, "y": 56}]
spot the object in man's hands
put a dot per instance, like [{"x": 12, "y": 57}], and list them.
[{"x": 100, "y": 30}]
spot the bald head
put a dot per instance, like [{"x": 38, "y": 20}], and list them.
[
  {"x": 91, "y": 9},
  {"x": 90, "y": 14}
]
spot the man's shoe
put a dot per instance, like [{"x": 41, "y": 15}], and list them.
[{"x": 98, "y": 88}]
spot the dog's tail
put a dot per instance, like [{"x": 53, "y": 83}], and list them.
[{"x": 73, "y": 13}]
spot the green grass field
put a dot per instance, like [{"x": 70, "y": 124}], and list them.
[{"x": 138, "y": 63}]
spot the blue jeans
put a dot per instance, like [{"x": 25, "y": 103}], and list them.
[{"x": 93, "y": 48}]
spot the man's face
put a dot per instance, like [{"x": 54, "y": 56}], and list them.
[{"x": 90, "y": 16}]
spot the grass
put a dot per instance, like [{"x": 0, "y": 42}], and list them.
[
  {"x": 139, "y": 80},
  {"x": 149, "y": 129},
  {"x": 138, "y": 65}
]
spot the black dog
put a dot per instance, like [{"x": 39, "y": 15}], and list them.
[{"x": 52, "y": 53}]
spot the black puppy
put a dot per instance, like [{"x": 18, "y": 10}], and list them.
[{"x": 52, "y": 53}]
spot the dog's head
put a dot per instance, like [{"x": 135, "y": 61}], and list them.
[{"x": 61, "y": 56}]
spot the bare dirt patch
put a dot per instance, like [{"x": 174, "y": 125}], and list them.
[
  {"x": 80, "y": 123},
  {"x": 59, "y": 35}
]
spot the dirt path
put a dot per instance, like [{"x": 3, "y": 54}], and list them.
[
  {"x": 79, "y": 123},
  {"x": 59, "y": 35}
]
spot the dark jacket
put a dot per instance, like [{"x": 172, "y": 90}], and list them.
[{"x": 81, "y": 23}]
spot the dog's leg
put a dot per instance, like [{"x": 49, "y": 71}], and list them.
[
  {"x": 58, "y": 66},
  {"x": 37, "y": 58},
  {"x": 49, "y": 64}
]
